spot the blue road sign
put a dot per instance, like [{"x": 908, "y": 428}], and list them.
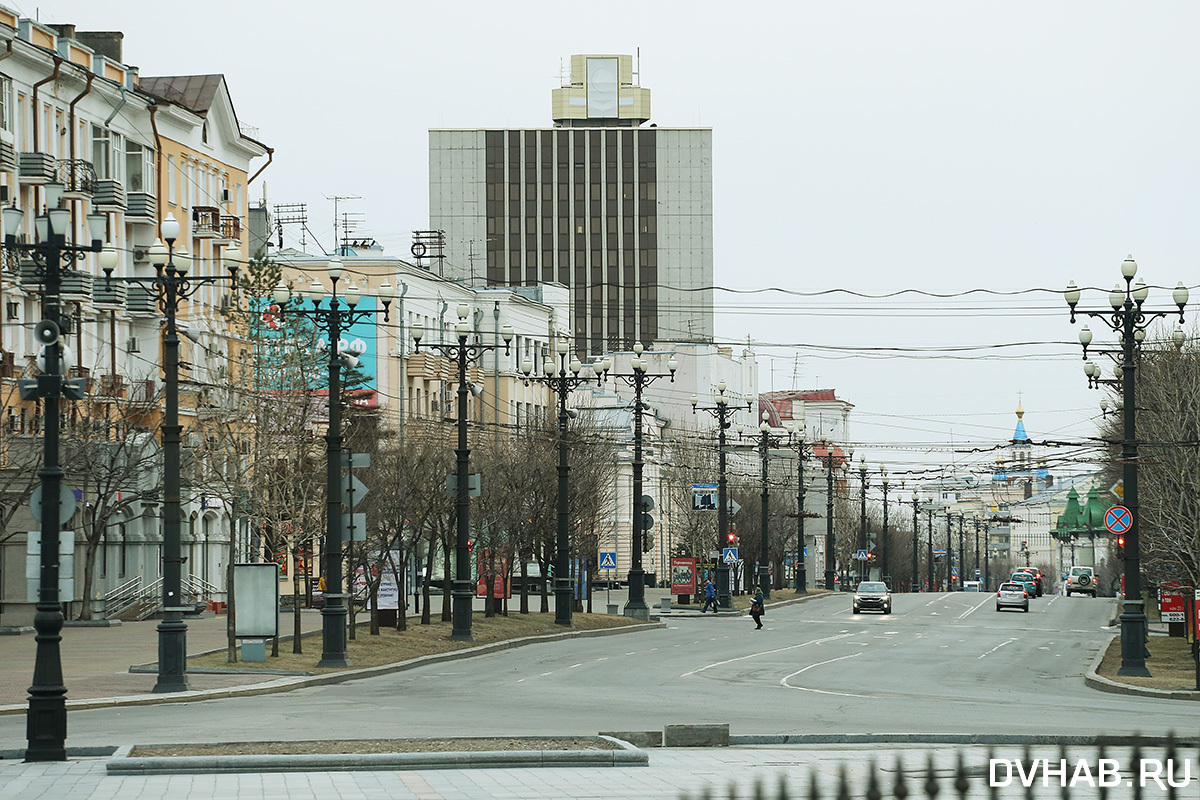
[
  {"x": 862, "y": 555},
  {"x": 608, "y": 560},
  {"x": 730, "y": 555}
]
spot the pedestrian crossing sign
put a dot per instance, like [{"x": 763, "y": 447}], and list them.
[
  {"x": 608, "y": 560},
  {"x": 730, "y": 555}
]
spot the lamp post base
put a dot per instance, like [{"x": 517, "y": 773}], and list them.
[
  {"x": 802, "y": 581},
  {"x": 172, "y": 654},
  {"x": 333, "y": 633},
  {"x": 636, "y": 608},
  {"x": 461, "y": 600},
  {"x": 830, "y": 580},
  {"x": 563, "y": 601},
  {"x": 46, "y": 723},
  {"x": 724, "y": 597},
  {"x": 1133, "y": 640}
]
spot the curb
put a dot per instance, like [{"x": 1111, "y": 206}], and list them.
[
  {"x": 997, "y": 739},
  {"x": 626, "y": 756},
  {"x": 1094, "y": 680},
  {"x": 289, "y": 683}
]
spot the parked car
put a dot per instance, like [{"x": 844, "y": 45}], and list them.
[
  {"x": 1081, "y": 580},
  {"x": 1012, "y": 595},
  {"x": 874, "y": 596}
]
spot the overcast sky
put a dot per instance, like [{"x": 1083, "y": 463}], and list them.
[{"x": 868, "y": 146}]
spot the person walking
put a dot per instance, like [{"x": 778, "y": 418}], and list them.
[
  {"x": 756, "y": 609},
  {"x": 710, "y": 596}
]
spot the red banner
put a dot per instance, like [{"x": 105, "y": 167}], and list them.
[
  {"x": 1170, "y": 603},
  {"x": 683, "y": 576}
]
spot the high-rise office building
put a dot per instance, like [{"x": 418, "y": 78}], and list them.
[{"x": 617, "y": 210}]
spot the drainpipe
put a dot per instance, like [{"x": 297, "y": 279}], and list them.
[
  {"x": 158, "y": 176},
  {"x": 270, "y": 158},
  {"x": 37, "y": 111},
  {"x": 71, "y": 116},
  {"x": 119, "y": 106}
]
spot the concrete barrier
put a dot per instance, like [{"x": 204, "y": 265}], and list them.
[
  {"x": 696, "y": 735},
  {"x": 637, "y": 738}
]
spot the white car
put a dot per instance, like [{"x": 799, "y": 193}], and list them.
[
  {"x": 1012, "y": 595},
  {"x": 1081, "y": 580}
]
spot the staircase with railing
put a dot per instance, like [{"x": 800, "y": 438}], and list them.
[{"x": 122, "y": 597}]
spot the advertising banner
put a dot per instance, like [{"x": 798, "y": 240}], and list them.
[
  {"x": 683, "y": 576},
  {"x": 1170, "y": 603}
]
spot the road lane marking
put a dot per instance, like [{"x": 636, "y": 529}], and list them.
[
  {"x": 997, "y": 647},
  {"x": 842, "y": 635},
  {"x": 975, "y": 608},
  {"x": 934, "y": 600},
  {"x": 784, "y": 681}
]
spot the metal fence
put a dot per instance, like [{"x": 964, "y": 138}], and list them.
[{"x": 1130, "y": 771}]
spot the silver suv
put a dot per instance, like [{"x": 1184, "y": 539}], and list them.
[{"x": 1081, "y": 580}]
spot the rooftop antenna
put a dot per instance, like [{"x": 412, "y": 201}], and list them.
[
  {"x": 796, "y": 371},
  {"x": 338, "y": 239}
]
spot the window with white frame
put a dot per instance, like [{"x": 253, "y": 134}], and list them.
[
  {"x": 6, "y": 103},
  {"x": 137, "y": 167},
  {"x": 101, "y": 152}
]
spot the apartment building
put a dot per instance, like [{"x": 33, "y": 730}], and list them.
[{"x": 135, "y": 149}]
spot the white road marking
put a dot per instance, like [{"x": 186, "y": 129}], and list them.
[
  {"x": 544, "y": 674},
  {"x": 997, "y": 647},
  {"x": 766, "y": 652},
  {"x": 976, "y": 607},
  {"x": 784, "y": 681},
  {"x": 573, "y": 666},
  {"x": 934, "y": 600}
]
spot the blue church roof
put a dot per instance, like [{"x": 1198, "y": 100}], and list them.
[{"x": 1019, "y": 434}]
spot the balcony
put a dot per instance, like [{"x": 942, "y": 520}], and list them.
[
  {"x": 109, "y": 295},
  {"x": 78, "y": 178},
  {"x": 230, "y": 231},
  {"x": 144, "y": 391},
  {"x": 8, "y": 368},
  {"x": 85, "y": 374},
  {"x": 8, "y": 157},
  {"x": 37, "y": 168},
  {"x": 141, "y": 208},
  {"x": 112, "y": 386},
  {"x": 206, "y": 222},
  {"x": 141, "y": 302},
  {"x": 110, "y": 196},
  {"x": 76, "y": 286}
]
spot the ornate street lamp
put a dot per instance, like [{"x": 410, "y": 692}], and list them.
[
  {"x": 46, "y": 719},
  {"x": 916, "y": 546},
  {"x": 1128, "y": 318},
  {"x": 796, "y": 434},
  {"x": 562, "y": 382},
  {"x": 462, "y": 352},
  {"x": 723, "y": 412},
  {"x": 639, "y": 379},
  {"x": 171, "y": 285},
  {"x": 338, "y": 314}
]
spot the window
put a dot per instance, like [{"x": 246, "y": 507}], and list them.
[
  {"x": 171, "y": 180},
  {"x": 135, "y": 167},
  {"x": 101, "y": 152},
  {"x": 6, "y": 116}
]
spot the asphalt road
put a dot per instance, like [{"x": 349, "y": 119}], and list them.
[{"x": 941, "y": 663}]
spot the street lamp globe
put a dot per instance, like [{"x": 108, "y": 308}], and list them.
[
  {"x": 169, "y": 229},
  {"x": 353, "y": 294},
  {"x": 334, "y": 267},
  {"x": 561, "y": 346},
  {"x": 316, "y": 292},
  {"x": 1178, "y": 336},
  {"x": 232, "y": 259},
  {"x": 638, "y": 348},
  {"x": 386, "y": 292},
  {"x": 158, "y": 253},
  {"x": 1180, "y": 295},
  {"x": 462, "y": 328},
  {"x": 1085, "y": 336},
  {"x": 281, "y": 293},
  {"x": 1140, "y": 291},
  {"x": 108, "y": 258},
  {"x": 1128, "y": 267},
  {"x": 526, "y": 367},
  {"x": 182, "y": 261},
  {"x": 1116, "y": 298},
  {"x": 463, "y": 310}
]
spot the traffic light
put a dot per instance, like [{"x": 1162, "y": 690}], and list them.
[
  {"x": 731, "y": 538},
  {"x": 1121, "y": 545},
  {"x": 647, "y": 542},
  {"x": 470, "y": 545}
]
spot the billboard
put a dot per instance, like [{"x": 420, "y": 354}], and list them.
[{"x": 683, "y": 576}]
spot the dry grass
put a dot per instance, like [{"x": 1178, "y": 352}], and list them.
[
  {"x": 391, "y": 646},
  {"x": 466, "y": 744},
  {"x": 1170, "y": 664}
]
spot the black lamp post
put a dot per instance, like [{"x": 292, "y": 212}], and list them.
[
  {"x": 723, "y": 412},
  {"x": 172, "y": 284},
  {"x": 949, "y": 554},
  {"x": 985, "y": 586},
  {"x": 1129, "y": 320},
  {"x": 929, "y": 546},
  {"x": 916, "y": 546},
  {"x": 46, "y": 719},
  {"x": 339, "y": 314},
  {"x": 962, "y": 553},
  {"x": 796, "y": 436},
  {"x": 830, "y": 540},
  {"x": 766, "y": 441},
  {"x": 639, "y": 379},
  {"x": 462, "y": 352},
  {"x": 562, "y": 382}
]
